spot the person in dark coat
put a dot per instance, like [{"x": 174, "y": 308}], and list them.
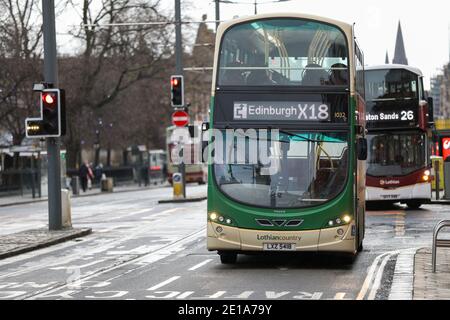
[
  {"x": 98, "y": 172},
  {"x": 84, "y": 176}
]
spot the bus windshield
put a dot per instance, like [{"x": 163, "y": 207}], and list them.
[
  {"x": 396, "y": 155},
  {"x": 309, "y": 170},
  {"x": 283, "y": 52},
  {"x": 392, "y": 84}
]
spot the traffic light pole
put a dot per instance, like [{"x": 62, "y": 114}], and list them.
[
  {"x": 179, "y": 71},
  {"x": 53, "y": 144}
]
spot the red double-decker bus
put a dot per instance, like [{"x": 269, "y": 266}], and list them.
[{"x": 399, "y": 122}]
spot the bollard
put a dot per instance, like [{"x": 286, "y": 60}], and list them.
[
  {"x": 177, "y": 180},
  {"x": 66, "y": 209},
  {"x": 75, "y": 184},
  {"x": 438, "y": 181},
  {"x": 107, "y": 185}
]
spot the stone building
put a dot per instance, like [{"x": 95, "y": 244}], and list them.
[{"x": 198, "y": 73}]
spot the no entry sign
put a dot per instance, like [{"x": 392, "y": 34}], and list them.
[{"x": 180, "y": 118}]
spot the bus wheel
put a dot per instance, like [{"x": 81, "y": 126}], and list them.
[
  {"x": 414, "y": 204},
  {"x": 228, "y": 257},
  {"x": 361, "y": 247}
]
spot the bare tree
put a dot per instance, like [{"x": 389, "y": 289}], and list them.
[
  {"x": 113, "y": 60},
  {"x": 20, "y": 59}
]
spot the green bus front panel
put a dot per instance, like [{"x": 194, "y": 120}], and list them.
[{"x": 314, "y": 218}]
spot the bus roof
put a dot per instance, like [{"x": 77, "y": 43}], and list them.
[
  {"x": 395, "y": 66},
  {"x": 225, "y": 25}
]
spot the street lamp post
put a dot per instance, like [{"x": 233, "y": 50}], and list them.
[
  {"x": 179, "y": 71},
  {"x": 97, "y": 141}
]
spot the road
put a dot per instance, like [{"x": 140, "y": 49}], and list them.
[{"x": 142, "y": 250}]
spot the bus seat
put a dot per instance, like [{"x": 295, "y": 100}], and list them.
[
  {"x": 339, "y": 77},
  {"x": 258, "y": 78},
  {"x": 234, "y": 76},
  {"x": 315, "y": 76}
]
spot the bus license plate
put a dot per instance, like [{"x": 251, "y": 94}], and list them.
[{"x": 279, "y": 247}]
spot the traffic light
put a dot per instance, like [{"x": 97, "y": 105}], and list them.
[
  {"x": 177, "y": 91},
  {"x": 52, "y": 122}
]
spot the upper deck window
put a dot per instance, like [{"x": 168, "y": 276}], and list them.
[
  {"x": 392, "y": 84},
  {"x": 283, "y": 52}
]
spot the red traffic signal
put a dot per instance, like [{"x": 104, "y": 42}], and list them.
[
  {"x": 49, "y": 100},
  {"x": 52, "y": 122},
  {"x": 177, "y": 91}
]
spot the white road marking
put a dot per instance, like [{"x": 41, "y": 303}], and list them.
[
  {"x": 142, "y": 261},
  {"x": 369, "y": 277},
  {"x": 185, "y": 294},
  {"x": 339, "y": 296},
  {"x": 78, "y": 266},
  {"x": 162, "y": 284},
  {"x": 243, "y": 295},
  {"x": 131, "y": 214},
  {"x": 201, "y": 264},
  {"x": 162, "y": 213},
  {"x": 374, "y": 282},
  {"x": 110, "y": 244}
]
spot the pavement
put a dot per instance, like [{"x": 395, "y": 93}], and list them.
[
  {"x": 30, "y": 240},
  {"x": 6, "y": 201},
  {"x": 429, "y": 285},
  {"x": 442, "y": 198}
]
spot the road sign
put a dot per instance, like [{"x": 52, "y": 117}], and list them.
[{"x": 180, "y": 118}]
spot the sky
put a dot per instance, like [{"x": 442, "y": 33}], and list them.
[{"x": 425, "y": 24}]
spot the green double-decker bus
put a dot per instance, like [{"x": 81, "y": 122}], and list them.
[{"x": 287, "y": 129}]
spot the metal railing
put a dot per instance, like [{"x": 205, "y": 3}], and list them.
[{"x": 439, "y": 243}]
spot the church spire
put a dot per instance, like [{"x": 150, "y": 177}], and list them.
[
  {"x": 386, "y": 61},
  {"x": 400, "y": 52}
]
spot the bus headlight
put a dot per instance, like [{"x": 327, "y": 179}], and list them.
[
  {"x": 426, "y": 176},
  {"x": 346, "y": 219},
  {"x": 219, "y": 218}
]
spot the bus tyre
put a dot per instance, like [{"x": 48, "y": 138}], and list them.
[
  {"x": 228, "y": 257},
  {"x": 415, "y": 205},
  {"x": 361, "y": 247}
]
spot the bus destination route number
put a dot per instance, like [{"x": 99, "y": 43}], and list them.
[
  {"x": 281, "y": 111},
  {"x": 403, "y": 115}
]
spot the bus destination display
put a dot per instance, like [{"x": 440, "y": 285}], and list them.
[
  {"x": 403, "y": 115},
  {"x": 281, "y": 111}
]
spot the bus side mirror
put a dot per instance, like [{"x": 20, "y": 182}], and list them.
[
  {"x": 205, "y": 139},
  {"x": 361, "y": 149}
]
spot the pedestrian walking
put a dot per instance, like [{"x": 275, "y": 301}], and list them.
[
  {"x": 98, "y": 172},
  {"x": 90, "y": 175},
  {"x": 83, "y": 174}
]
